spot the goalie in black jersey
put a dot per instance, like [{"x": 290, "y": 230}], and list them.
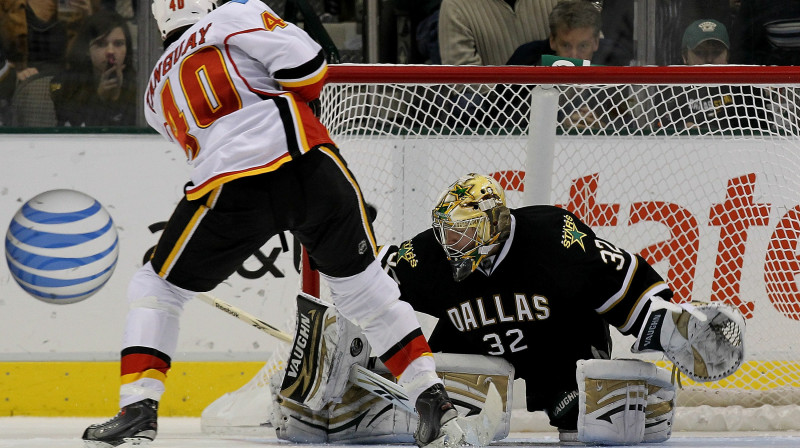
[{"x": 536, "y": 287}]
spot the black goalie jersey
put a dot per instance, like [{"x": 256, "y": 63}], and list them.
[{"x": 546, "y": 301}]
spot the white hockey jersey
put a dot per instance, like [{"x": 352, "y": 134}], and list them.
[{"x": 232, "y": 91}]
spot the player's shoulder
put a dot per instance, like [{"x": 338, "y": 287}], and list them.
[
  {"x": 235, "y": 7},
  {"x": 415, "y": 257},
  {"x": 544, "y": 216},
  {"x": 241, "y": 14},
  {"x": 547, "y": 226},
  {"x": 422, "y": 248}
]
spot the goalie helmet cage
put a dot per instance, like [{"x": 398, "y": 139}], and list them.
[{"x": 695, "y": 168}]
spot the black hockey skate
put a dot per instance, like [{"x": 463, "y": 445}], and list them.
[
  {"x": 135, "y": 424},
  {"x": 435, "y": 410}
]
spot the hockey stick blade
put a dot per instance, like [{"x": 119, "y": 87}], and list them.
[
  {"x": 479, "y": 430},
  {"x": 244, "y": 316}
]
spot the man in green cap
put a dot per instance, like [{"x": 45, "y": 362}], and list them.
[{"x": 705, "y": 41}]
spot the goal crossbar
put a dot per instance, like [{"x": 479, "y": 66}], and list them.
[{"x": 437, "y": 74}]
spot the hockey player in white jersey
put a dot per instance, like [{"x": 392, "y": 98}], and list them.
[{"x": 233, "y": 90}]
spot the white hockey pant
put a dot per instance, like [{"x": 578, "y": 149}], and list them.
[
  {"x": 371, "y": 300},
  {"x": 153, "y": 320}
]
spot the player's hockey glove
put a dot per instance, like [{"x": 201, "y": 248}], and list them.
[{"x": 704, "y": 340}]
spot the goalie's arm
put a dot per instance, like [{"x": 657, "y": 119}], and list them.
[
  {"x": 620, "y": 285},
  {"x": 417, "y": 271}
]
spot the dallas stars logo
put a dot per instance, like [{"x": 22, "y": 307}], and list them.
[
  {"x": 406, "y": 252},
  {"x": 460, "y": 191},
  {"x": 445, "y": 207},
  {"x": 571, "y": 234}
]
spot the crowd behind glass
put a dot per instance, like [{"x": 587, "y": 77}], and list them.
[{"x": 82, "y": 63}]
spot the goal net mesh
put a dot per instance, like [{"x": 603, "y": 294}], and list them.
[{"x": 696, "y": 169}]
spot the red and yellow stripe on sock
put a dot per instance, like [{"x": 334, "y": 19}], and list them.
[
  {"x": 411, "y": 347},
  {"x": 143, "y": 362}
]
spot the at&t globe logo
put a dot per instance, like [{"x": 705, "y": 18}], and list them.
[{"x": 62, "y": 246}]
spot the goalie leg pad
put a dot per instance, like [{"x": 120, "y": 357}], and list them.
[
  {"x": 659, "y": 414},
  {"x": 324, "y": 347},
  {"x": 660, "y": 411},
  {"x": 365, "y": 418},
  {"x": 297, "y": 423},
  {"x": 466, "y": 379},
  {"x": 361, "y": 417},
  {"x": 612, "y": 400}
]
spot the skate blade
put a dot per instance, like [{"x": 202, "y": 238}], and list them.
[{"x": 126, "y": 442}]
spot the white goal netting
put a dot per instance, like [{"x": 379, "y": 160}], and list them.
[{"x": 695, "y": 168}]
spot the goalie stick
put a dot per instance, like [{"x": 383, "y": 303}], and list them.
[{"x": 478, "y": 429}]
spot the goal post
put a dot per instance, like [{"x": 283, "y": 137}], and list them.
[{"x": 695, "y": 168}]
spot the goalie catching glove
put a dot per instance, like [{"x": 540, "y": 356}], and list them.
[{"x": 705, "y": 341}]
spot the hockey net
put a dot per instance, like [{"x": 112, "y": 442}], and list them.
[{"x": 695, "y": 168}]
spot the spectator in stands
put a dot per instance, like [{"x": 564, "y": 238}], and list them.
[
  {"x": 709, "y": 108},
  {"x": 486, "y": 32},
  {"x": 99, "y": 86},
  {"x": 37, "y": 33},
  {"x": 481, "y": 32},
  {"x": 575, "y": 27},
  {"x": 705, "y": 41},
  {"x": 671, "y": 19},
  {"x": 574, "y": 35},
  {"x": 7, "y": 83},
  {"x": 767, "y": 32}
]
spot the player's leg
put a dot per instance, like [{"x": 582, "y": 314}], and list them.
[
  {"x": 203, "y": 243},
  {"x": 341, "y": 243},
  {"x": 555, "y": 389}
]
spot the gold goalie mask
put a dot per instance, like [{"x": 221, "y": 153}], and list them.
[{"x": 470, "y": 220}]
